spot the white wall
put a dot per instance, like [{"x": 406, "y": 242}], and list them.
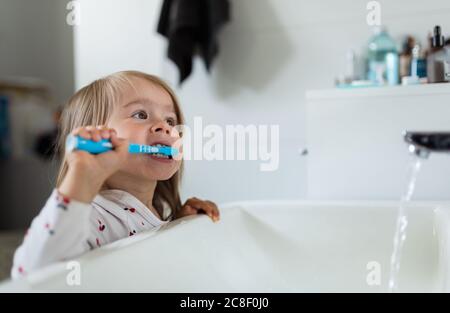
[
  {"x": 271, "y": 53},
  {"x": 35, "y": 41},
  {"x": 361, "y": 153}
]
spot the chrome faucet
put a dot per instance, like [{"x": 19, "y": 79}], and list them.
[{"x": 423, "y": 143}]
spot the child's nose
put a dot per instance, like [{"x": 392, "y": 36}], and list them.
[{"x": 161, "y": 127}]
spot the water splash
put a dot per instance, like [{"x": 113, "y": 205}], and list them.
[{"x": 402, "y": 224}]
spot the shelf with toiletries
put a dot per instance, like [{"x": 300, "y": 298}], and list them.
[
  {"x": 386, "y": 62},
  {"x": 387, "y": 91}
]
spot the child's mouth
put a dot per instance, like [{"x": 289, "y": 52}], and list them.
[{"x": 160, "y": 156}]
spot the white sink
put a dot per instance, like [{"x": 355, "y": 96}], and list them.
[{"x": 269, "y": 246}]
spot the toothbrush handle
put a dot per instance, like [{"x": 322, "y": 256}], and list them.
[
  {"x": 104, "y": 145},
  {"x": 137, "y": 148},
  {"x": 94, "y": 147}
]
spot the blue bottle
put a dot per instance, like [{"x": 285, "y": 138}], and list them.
[
  {"x": 418, "y": 63},
  {"x": 383, "y": 60}
]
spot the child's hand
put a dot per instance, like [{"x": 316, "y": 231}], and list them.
[
  {"x": 87, "y": 172},
  {"x": 196, "y": 206}
]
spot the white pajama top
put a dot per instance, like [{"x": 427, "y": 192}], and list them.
[{"x": 65, "y": 228}]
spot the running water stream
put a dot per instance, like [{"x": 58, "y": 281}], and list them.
[{"x": 402, "y": 224}]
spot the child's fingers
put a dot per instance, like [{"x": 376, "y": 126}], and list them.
[
  {"x": 95, "y": 133},
  {"x": 189, "y": 210},
  {"x": 88, "y": 132},
  {"x": 211, "y": 210},
  {"x": 115, "y": 159},
  {"x": 105, "y": 132},
  {"x": 214, "y": 208},
  {"x": 208, "y": 207},
  {"x": 82, "y": 132}
]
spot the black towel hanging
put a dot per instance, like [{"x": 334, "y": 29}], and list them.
[{"x": 191, "y": 26}]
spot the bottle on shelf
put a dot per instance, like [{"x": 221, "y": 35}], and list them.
[
  {"x": 437, "y": 58},
  {"x": 383, "y": 59}
]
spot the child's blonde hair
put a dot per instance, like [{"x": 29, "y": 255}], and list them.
[{"x": 93, "y": 104}]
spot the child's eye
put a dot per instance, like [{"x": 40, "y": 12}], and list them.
[
  {"x": 171, "y": 122},
  {"x": 142, "y": 115}
]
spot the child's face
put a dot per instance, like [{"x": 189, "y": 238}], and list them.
[{"x": 146, "y": 115}]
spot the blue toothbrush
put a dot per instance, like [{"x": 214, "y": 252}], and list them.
[{"x": 104, "y": 145}]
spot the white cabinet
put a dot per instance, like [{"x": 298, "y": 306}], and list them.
[{"x": 355, "y": 143}]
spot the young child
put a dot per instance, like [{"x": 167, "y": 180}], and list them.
[{"x": 102, "y": 198}]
